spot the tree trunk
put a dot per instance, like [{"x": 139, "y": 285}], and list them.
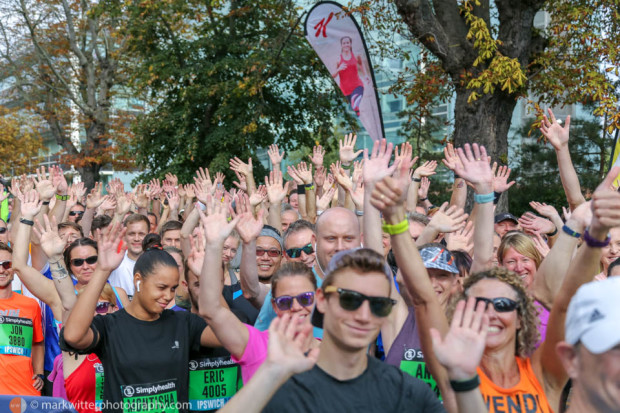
[
  {"x": 485, "y": 121},
  {"x": 90, "y": 175}
]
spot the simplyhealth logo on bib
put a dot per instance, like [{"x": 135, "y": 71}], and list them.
[
  {"x": 150, "y": 397},
  {"x": 16, "y": 336},
  {"x": 413, "y": 363}
]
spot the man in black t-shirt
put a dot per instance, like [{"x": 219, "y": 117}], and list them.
[{"x": 351, "y": 306}]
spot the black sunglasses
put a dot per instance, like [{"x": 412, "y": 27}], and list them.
[
  {"x": 296, "y": 252},
  {"x": 3, "y": 230},
  {"x": 352, "y": 300},
  {"x": 5, "y": 264},
  {"x": 272, "y": 253},
  {"x": 78, "y": 262},
  {"x": 74, "y": 213},
  {"x": 501, "y": 304},
  {"x": 285, "y": 302}
]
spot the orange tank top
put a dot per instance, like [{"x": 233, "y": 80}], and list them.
[{"x": 527, "y": 396}]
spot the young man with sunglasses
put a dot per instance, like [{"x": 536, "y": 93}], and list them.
[
  {"x": 299, "y": 240},
  {"x": 351, "y": 307},
  {"x": 21, "y": 337}
]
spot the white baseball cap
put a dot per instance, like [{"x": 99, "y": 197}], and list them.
[{"x": 593, "y": 316}]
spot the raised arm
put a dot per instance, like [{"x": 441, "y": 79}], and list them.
[
  {"x": 249, "y": 228},
  {"x": 276, "y": 193},
  {"x": 550, "y": 275},
  {"x": 583, "y": 268},
  {"x": 77, "y": 332},
  {"x": 232, "y": 333},
  {"x": 389, "y": 197},
  {"x": 558, "y": 138},
  {"x": 275, "y": 157},
  {"x": 445, "y": 220},
  {"x": 40, "y": 286},
  {"x": 459, "y": 188},
  {"x": 475, "y": 169}
]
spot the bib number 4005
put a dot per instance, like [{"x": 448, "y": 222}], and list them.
[{"x": 214, "y": 390}]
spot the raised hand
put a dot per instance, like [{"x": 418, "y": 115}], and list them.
[
  {"x": 347, "y": 149},
  {"x": 318, "y": 153},
  {"x": 259, "y": 196},
  {"x": 95, "y": 198},
  {"x": 197, "y": 254},
  {"x": 241, "y": 183},
  {"x": 500, "y": 178},
  {"x": 387, "y": 196},
  {"x": 448, "y": 219},
  {"x": 343, "y": 180},
  {"x": 274, "y": 155},
  {"x": 51, "y": 243},
  {"x": 451, "y": 160},
  {"x": 423, "y": 189},
  {"x": 555, "y": 134},
  {"x": 426, "y": 169},
  {"x": 376, "y": 167},
  {"x": 475, "y": 168},
  {"x": 323, "y": 202},
  {"x": 79, "y": 190},
  {"x": 243, "y": 168},
  {"x": 534, "y": 223},
  {"x": 111, "y": 248},
  {"x": 58, "y": 180},
  {"x": 190, "y": 193},
  {"x": 139, "y": 196},
  {"x": 30, "y": 204},
  {"x": 154, "y": 189},
  {"x": 275, "y": 191},
  {"x": 249, "y": 227},
  {"x": 460, "y": 351},
  {"x": 605, "y": 202},
  {"x": 172, "y": 179},
  {"x": 462, "y": 239},
  {"x": 173, "y": 199},
  {"x": 123, "y": 203},
  {"x": 108, "y": 204},
  {"x": 203, "y": 180},
  {"x": 44, "y": 186},
  {"x": 288, "y": 343},
  {"x": 319, "y": 176},
  {"x": 540, "y": 244},
  {"x": 405, "y": 154},
  {"x": 216, "y": 226}
]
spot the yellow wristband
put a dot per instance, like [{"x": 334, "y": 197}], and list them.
[{"x": 396, "y": 229}]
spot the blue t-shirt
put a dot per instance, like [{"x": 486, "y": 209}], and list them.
[{"x": 267, "y": 313}]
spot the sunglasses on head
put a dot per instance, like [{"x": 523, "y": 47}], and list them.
[
  {"x": 74, "y": 213},
  {"x": 102, "y": 307},
  {"x": 3, "y": 230},
  {"x": 78, "y": 262},
  {"x": 5, "y": 264},
  {"x": 352, "y": 300},
  {"x": 285, "y": 302},
  {"x": 501, "y": 304},
  {"x": 296, "y": 252},
  {"x": 272, "y": 253}
]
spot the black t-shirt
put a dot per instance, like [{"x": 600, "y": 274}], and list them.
[
  {"x": 239, "y": 305},
  {"x": 381, "y": 388},
  {"x": 146, "y": 362}
]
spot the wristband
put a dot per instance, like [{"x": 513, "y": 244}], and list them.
[
  {"x": 308, "y": 187},
  {"x": 45, "y": 203},
  {"x": 41, "y": 376},
  {"x": 359, "y": 213},
  {"x": 484, "y": 198},
  {"x": 552, "y": 234},
  {"x": 496, "y": 196},
  {"x": 593, "y": 242},
  {"x": 465, "y": 385},
  {"x": 62, "y": 197},
  {"x": 319, "y": 212},
  {"x": 26, "y": 221},
  {"x": 457, "y": 177},
  {"x": 416, "y": 179},
  {"x": 345, "y": 167},
  {"x": 301, "y": 189},
  {"x": 396, "y": 229},
  {"x": 423, "y": 199},
  {"x": 567, "y": 230}
]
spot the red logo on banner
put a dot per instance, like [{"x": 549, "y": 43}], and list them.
[{"x": 322, "y": 25}]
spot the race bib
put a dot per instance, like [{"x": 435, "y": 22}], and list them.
[
  {"x": 160, "y": 397},
  {"x": 98, "y": 386},
  {"x": 212, "y": 382},
  {"x": 15, "y": 336},
  {"x": 414, "y": 364}
]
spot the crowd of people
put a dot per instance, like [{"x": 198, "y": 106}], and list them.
[{"x": 343, "y": 289}]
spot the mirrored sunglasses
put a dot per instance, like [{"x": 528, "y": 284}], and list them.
[
  {"x": 296, "y": 252},
  {"x": 285, "y": 302}
]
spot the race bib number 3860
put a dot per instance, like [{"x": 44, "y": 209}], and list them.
[{"x": 15, "y": 336}]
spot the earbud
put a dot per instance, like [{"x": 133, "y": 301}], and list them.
[{"x": 138, "y": 286}]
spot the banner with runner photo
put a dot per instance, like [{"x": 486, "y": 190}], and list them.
[
  {"x": 615, "y": 156},
  {"x": 337, "y": 39}
]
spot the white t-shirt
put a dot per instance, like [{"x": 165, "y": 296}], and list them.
[{"x": 123, "y": 275}]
